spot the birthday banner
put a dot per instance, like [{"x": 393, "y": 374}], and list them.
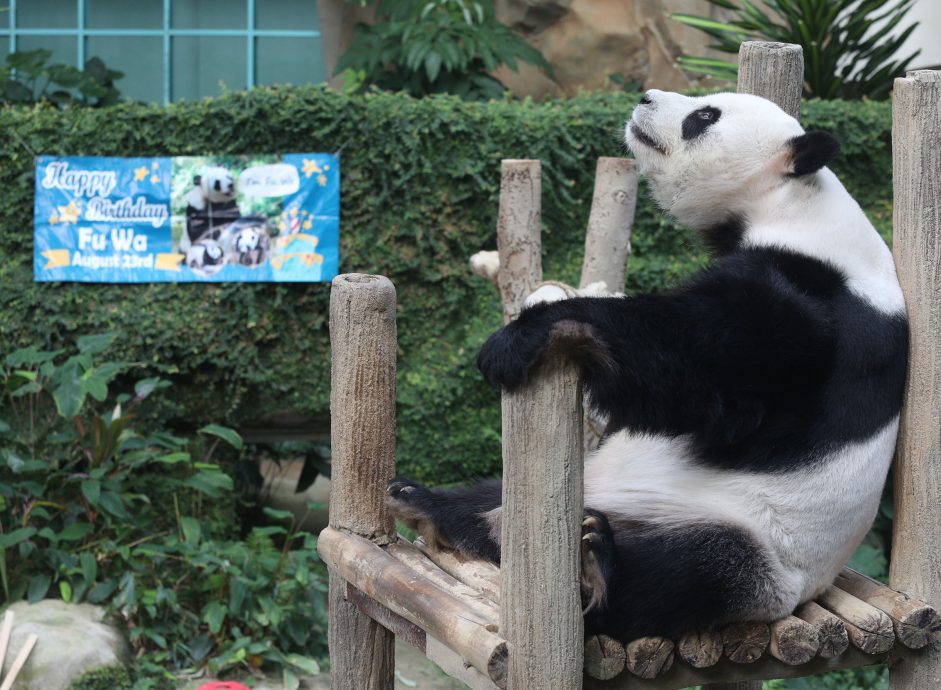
[{"x": 187, "y": 219}]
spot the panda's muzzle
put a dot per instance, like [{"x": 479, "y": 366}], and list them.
[{"x": 647, "y": 140}]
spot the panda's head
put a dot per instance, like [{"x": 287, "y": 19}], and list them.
[
  {"x": 217, "y": 184},
  {"x": 205, "y": 257},
  {"x": 247, "y": 240},
  {"x": 710, "y": 159}
]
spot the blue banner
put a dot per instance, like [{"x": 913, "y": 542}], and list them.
[{"x": 261, "y": 218}]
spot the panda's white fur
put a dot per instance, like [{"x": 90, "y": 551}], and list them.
[{"x": 753, "y": 411}]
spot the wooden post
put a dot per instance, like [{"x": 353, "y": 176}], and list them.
[
  {"x": 774, "y": 71},
  {"x": 362, "y": 431},
  {"x": 540, "y": 612},
  {"x": 608, "y": 236},
  {"x": 519, "y": 239},
  {"x": 916, "y": 159}
]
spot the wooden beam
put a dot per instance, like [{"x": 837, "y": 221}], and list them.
[
  {"x": 396, "y": 586},
  {"x": 519, "y": 241},
  {"x": 916, "y": 162},
  {"x": 362, "y": 405},
  {"x": 608, "y": 236},
  {"x": 774, "y": 71}
]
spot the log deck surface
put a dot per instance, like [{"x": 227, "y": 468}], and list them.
[{"x": 448, "y": 608}]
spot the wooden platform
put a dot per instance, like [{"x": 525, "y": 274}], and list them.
[{"x": 448, "y": 607}]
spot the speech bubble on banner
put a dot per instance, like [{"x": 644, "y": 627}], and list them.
[{"x": 279, "y": 179}]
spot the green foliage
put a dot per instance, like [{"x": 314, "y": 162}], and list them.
[
  {"x": 27, "y": 78},
  {"x": 435, "y": 46},
  {"x": 848, "y": 49},
  {"x": 419, "y": 196},
  {"x": 96, "y": 508}
]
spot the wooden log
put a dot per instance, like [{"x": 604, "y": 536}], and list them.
[
  {"x": 744, "y": 643},
  {"x": 362, "y": 431},
  {"x": 735, "y": 685},
  {"x": 916, "y": 529},
  {"x": 774, "y": 71},
  {"x": 831, "y": 630},
  {"x": 701, "y": 650},
  {"x": 648, "y": 657},
  {"x": 399, "y": 588},
  {"x": 605, "y": 657},
  {"x": 869, "y": 629},
  {"x": 19, "y": 661},
  {"x": 519, "y": 240},
  {"x": 793, "y": 641},
  {"x": 608, "y": 236},
  {"x": 482, "y": 576},
  {"x": 916, "y": 623},
  {"x": 391, "y": 621},
  {"x": 541, "y": 613},
  {"x": 451, "y": 663},
  {"x": 406, "y": 553}
]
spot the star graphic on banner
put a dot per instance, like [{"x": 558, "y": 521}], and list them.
[
  {"x": 309, "y": 168},
  {"x": 322, "y": 180},
  {"x": 307, "y": 225},
  {"x": 155, "y": 179},
  {"x": 69, "y": 214},
  {"x": 140, "y": 173}
]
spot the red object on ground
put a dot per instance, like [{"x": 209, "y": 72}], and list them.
[{"x": 223, "y": 685}]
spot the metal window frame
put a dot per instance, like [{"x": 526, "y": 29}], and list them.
[{"x": 81, "y": 32}]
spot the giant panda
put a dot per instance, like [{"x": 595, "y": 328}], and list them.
[
  {"x": 210, "y": 206},
  {"x": 752, "y": 411}
]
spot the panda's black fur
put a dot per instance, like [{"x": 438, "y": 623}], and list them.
[{"x": 777, "y": 372}]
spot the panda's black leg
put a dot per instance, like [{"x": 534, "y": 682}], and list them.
[
  {"x": 459, "y": 518},
  {"x": 599, "y": 558}
]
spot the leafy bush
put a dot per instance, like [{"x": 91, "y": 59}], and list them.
[
  {"x": 95, "y": 509},
  {"x": 27, "y": 78},
  {"x": 848, "y": 49},
  {"x": 435, "y": 46},
  {"x": 419, "y": 196}
]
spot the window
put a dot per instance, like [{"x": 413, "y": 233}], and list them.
[{"x": 175, "y": 49}]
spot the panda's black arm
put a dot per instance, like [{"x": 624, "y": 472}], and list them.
[{"x": 697, "y": 360}]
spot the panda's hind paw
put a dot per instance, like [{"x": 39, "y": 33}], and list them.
[{"x": 598, "y": 554}]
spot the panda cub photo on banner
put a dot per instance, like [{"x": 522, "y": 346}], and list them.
[{"x": 238, "y": 214}]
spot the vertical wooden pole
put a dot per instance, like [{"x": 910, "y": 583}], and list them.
[
  {"x": 774, "y": 71},
  {"x": 916, "y": 541},
  {"x": 540, "y": 612},
  {"x": 362, "y": 431},
  {"x": 608, "y": 236},
  {"x": 519, "y": 238}
]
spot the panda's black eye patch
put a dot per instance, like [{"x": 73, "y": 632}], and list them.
[{"x": 699, "y": 121}]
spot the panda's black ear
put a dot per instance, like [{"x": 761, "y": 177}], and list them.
[
  {"x": 811, "y": 151},
  {"x": 197, "y": 180}
]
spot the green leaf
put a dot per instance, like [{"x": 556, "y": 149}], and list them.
[
  {"x": 304, "y": 664},
  {"x": 91, "y": 489},
  {"x": 228, "y": 435},
  {"x": 214, "y": 616},
  {"x": 38, "y": 586},
  {"x": 89, "y": 566},
  {"x": 69, "y": 393},
  {"x": 95, "y": 344},
  {"x": 16, "y": 536},
  {"x": 102, "y": 591},
  {"x": 65, "y": 591},
  {"x": 191, "y": 530},
  {"x": 76, "y": 531},
  {"x": 112, "y": 503}
]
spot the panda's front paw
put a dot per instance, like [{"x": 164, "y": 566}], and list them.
[{"x": 507, "y": 357}]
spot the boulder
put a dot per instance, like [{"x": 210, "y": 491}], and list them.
[{"x": 73, "y": 639}]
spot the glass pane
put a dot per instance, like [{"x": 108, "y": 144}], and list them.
[
  {"x": 44, "y": 14},
  {"x": 121, "y": 14},
  {"x": 209, "y": 14},
  {"x": 288, "y": 15},
  {"x": 141, "y": 60},
  {"x": 288, "y": 61},
  {"x": 201, "y": 63},
  {"x": 64, "y": 48}
]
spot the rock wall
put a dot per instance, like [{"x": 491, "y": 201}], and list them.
[{"x": 588, "y": 42}]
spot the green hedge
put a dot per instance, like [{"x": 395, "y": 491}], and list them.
[{"x": 420, "y": 180}]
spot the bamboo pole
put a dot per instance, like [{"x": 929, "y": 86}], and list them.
[
  {"x": 540, "y": 613},
  {"x": 519, "y": 241},
  {"x": 916, "y": 162},
  {"x": 362, "y": 421},
  {"x": 774, "y": 71}
]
